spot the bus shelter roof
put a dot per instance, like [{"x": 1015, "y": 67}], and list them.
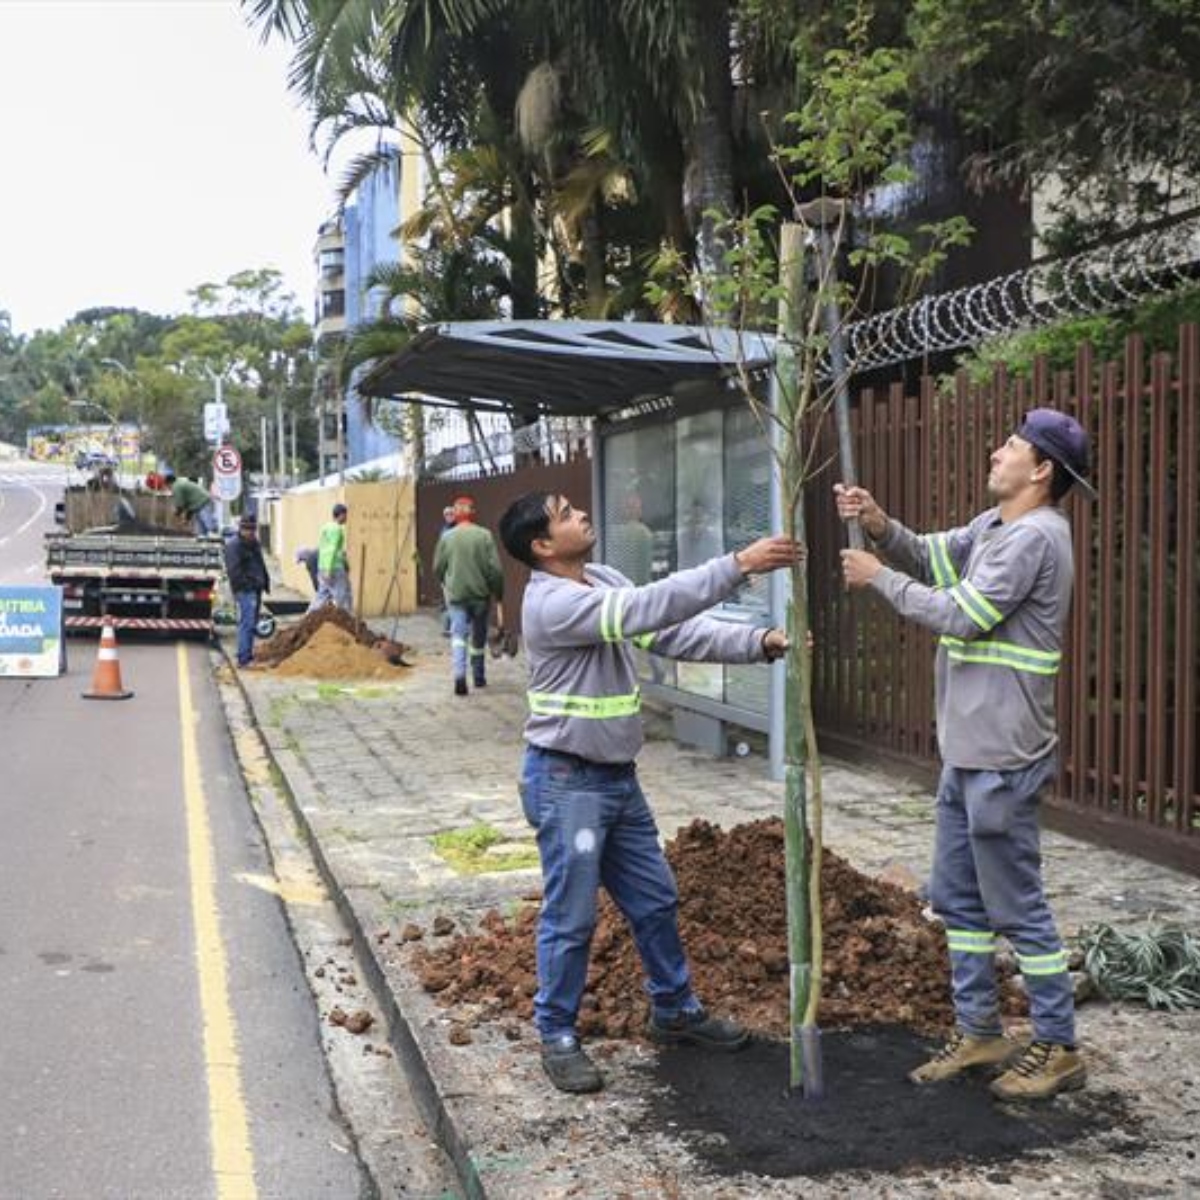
[{"x": 563, "y": 368}]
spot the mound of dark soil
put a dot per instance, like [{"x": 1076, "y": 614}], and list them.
[{"x": 885, "y": 964}]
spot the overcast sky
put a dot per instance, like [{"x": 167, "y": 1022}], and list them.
[{"x": 146, "y": 146}]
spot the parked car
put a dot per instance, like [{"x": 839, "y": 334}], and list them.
[{"x": 93, "y": 460}]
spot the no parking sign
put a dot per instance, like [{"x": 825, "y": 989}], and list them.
[{"x": 227, "y": 473}]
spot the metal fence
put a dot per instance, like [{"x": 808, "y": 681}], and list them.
[{"x": 1128, "y": 710}]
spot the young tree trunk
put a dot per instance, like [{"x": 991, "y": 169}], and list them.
[{"x": 803, "y": 840}]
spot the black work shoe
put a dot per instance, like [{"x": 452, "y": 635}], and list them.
[
  {"x": 460, "y": 687},
  {"x": 481, "y": 683},
  {"x": 568, "y": 1067},
  {"x": 694, "y": 1027}
]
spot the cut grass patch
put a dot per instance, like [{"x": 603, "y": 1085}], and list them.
[{"x": 481, "y": 849}]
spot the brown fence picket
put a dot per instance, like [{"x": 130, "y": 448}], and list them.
[{"x": 1129, "y": 691}]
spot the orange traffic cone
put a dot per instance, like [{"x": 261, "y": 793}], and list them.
[{"x": 106, "y": 679}]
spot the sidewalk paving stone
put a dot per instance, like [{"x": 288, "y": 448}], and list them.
[{"x": 377, "y": 769}]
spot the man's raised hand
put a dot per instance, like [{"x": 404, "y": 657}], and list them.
[
  {"x": 769, "y": 554},
  {"x": 857, "y": 504}
]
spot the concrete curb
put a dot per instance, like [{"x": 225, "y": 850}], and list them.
[{"x": 403, "y": 1040}]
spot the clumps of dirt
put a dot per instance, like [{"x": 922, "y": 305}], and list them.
[
  {"x": 356, "y": 1022},
  {"x": 322, "y": 660},
  {"x": 885, "y": 963},
  {"x": 332, "y": 653}
]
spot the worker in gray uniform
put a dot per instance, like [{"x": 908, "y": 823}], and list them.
[
  {"x": 579, "y": 786},
  {"x": 997, "y": 592}
]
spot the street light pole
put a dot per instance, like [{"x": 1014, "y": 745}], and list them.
[
  {"x": 218, "y": 384},
  {"x": 141, "y": 387}
]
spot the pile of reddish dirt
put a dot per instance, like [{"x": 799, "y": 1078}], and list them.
[
  {"x": 287, "y": 641},
  {"x": 884, "y": 962},
  {"x": 332, "y": 653}
]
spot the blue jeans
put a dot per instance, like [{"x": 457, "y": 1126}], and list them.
[
  {"x": 205, "y": 521},
  {"x": 468, "y": 638},
  {"x": 594, "y": 827},
  {"x": 247, "y": 606},
  {"x": 987, "y": 880}
]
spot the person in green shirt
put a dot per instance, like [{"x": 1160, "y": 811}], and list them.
[
  {"x": 192, "y": 502},
  {"x": 333, "y": 563}
]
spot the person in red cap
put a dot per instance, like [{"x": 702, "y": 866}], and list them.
[
  {"x": 467, "y": 565},
  {"x": 997, "y": 592}
]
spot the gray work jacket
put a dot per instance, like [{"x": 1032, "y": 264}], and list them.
[{"x": 998, "y": 594}]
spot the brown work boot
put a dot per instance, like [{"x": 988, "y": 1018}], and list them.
[
  {"x": 964, "y": 1052},
  {"x": 1044, "y": 1070}
]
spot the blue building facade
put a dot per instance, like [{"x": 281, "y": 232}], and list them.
[{"x": 369, "y": 224}]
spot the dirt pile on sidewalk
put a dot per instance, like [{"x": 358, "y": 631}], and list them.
[
  {"x": 332, "y": 653},
  {"x": 287, "y": 642},
  {"x": 884, "y": 962}
]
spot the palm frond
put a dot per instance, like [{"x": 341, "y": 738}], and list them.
[
  {"x": 1159, "y": 966},
  {"x": 364, "y": 167}
]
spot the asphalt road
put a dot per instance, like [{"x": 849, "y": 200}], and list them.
[{"x": 157, "y": 1035}]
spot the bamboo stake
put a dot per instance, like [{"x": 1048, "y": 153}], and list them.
[
  {"x": 362, "y": 581},
  {"x": 801, "y": 847}
]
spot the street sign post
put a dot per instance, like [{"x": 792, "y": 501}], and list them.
[
  {"x": 227, "y": 477},
  {"x": 227, "y": 461},
  {"x": 216, "y": 422}
]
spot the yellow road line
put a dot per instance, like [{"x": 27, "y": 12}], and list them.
[{"x": 232, "y": 1156}]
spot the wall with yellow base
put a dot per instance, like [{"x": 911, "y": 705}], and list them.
[{"x": 380, "y": 536}]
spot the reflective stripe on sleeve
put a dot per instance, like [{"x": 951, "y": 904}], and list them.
[
  {"x": 944, "y": 574},
  {"x": 602, "y": 708},
  {"x": 612, "y": 614},
  {"x": 644, "y": 641},
  {"x": 606, "y": 607},
  {"x": 992, "y": 653},
  {"x": 976, "y": 605},
  {"x": 619, "y": 606}
]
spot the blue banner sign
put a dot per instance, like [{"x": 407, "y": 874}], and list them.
[{"x": 30, "y": 631}]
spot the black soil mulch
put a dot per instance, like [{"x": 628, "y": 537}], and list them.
[{"x": 734, "y": 1111}]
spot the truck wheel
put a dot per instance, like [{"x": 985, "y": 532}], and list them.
[{"x": 265, "y": 627}]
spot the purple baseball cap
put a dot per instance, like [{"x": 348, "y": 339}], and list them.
[{"x": 1062, "y": 439}]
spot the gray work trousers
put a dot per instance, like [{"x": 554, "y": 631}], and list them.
[
  {"x": 333, "y": 587},
  {"x": 987, "y": 881}
]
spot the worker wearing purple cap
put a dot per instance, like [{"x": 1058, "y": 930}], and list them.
[{"x": 997, "y": 592}]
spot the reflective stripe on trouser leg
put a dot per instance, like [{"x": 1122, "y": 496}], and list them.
[
  {"x": 460, "y": 621},
  {"x": 973, "y": 980},
  {"x": 1051, "y": 993},
  {"x": 955, "y": 896},
  {"x": 1003, "y": 813}
]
